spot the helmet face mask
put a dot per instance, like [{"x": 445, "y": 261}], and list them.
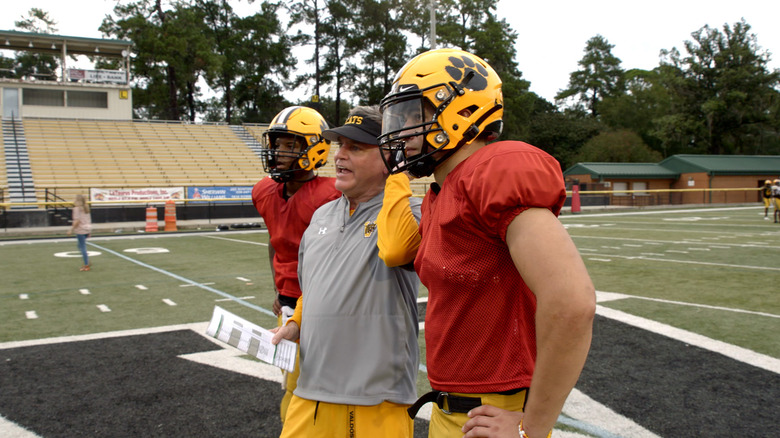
[
  {"x": 293, "y": 144},
  {"x": 440, "y": 100},
  {"x": 413, "y": 135}
]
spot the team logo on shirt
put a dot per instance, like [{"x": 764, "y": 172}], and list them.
[{"x": 368, "y": 228}]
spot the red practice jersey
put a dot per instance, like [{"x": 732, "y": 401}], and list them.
[
  {"x": 286, "y": 220},
  {"x": 479, "y": 328}
]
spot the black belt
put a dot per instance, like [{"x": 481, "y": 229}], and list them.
[{"x": 454, "y": 403}]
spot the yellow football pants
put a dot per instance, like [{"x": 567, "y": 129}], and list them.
[
  {"x": 313, "y": 419},
  {"x": 449, "y": 425}
]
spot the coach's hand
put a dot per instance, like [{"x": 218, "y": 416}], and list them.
[{"x": 289, "y": 331}]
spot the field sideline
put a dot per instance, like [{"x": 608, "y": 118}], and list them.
[{"x": 701, "y": 279}]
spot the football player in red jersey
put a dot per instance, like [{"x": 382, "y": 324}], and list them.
[{"x": 511, "y": 305}]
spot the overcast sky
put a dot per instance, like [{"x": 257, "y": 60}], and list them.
[{"x": 551, "y": 34}]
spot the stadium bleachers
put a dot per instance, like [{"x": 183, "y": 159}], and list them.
[{"x": 70, "y": 156}]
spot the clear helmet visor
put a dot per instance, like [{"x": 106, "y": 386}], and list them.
[{"x": 403, "y": 133}]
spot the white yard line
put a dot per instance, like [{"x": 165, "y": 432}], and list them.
[
  {"x": 689, "y": 262},
  {"x": 236, "y": 240},
  {"x": 732, "y": 351},
  {"x": 9, "y": 429}
]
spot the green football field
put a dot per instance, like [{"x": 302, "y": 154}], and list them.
[
  {"x": 710, "y": 271},
  {"x": 707, "y": 275}
]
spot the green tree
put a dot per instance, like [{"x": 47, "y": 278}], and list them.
[
  {"x": 644, "y": 102},
  {"x": 462, "y": 21},
  {"x": 380, "y": 46},
  {"x": 220, "y": 19},
  {"x": 495, "y": 44},
  {"x": 312, "y": 13},
  {"x": 338, "y": 68},
  {"x": 156, "y": 91},
  {"x": 722, "y": 91},
  {"x": 33, "y": 64},
  {"x": 7, "y": 67},
  {"x": 562, "y": 134},
  {"x": 416, "y": 17},
  {"x": 621, "y": 146},
  {"x": 600, "y": 76},
  {"x": 266, "y": 64}
]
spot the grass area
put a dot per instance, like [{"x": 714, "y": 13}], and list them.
[
  {"x": 53, "y": 285},
  {"x": 714, "y": 257},
  {"x": 724, "y": 258}
]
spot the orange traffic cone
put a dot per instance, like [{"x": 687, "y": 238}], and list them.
[
  {"x": 170, "y": 216},
  {"x": 151, "y": 219}
]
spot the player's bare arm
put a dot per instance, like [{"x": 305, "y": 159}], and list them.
[{"x": 564, "y": 317}]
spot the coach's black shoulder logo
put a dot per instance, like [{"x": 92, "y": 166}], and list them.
[{"x": 461, "y": 65}]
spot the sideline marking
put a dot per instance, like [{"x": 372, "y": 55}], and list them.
[
  {"x": 237, "y": 240},
  {"x": 611, "y": 296},
  {"x": 76, "y": 254},
  {"x": 641, "y": 213},
  {"x": 740, "y": 354},
  {"x": 190, "y": 285},
  {"x": 219, "y": 300},
  {"x": 691, "y": 262},
  {"x": 187, "y": 280},
  {"x": 148, "y": 250},
  {"x": 12, "y": 430}
]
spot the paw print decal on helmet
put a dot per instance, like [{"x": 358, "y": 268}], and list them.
[{"x": 459, "y": 68}]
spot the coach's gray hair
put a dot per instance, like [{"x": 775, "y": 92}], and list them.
[{"x": 369, "y": 111}]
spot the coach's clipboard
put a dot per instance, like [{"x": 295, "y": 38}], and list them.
[{"x": 251, "y": 339}]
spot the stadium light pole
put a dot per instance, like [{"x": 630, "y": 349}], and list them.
[{"x": 433, "y": 24}]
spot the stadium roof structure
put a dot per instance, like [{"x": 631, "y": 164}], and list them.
[
  {"x": 63, "y": 45},
  {"x": 724, "y": 164},
  {"x": 622, "y": 170},
  {"x": 672, "y": 167}
]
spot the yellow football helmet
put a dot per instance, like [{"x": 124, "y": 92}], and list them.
[
  {"x": 448, "y": 96},
  {"x": 303, "y": 124}
]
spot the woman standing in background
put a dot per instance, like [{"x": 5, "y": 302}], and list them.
[{"x": 82, "y": 227}]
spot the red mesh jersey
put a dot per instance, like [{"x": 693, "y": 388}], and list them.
[
  {"x": 479, "y": 328},
  {"x": 286, "y": 220}
]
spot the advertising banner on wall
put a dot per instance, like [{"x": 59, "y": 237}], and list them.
[
  {"x": 224, "y": 194},
  {"x": 105, "y": 76},
  {"x": 144, "y": 194}
]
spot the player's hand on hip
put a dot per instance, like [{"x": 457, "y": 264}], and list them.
[{"x": 492, "y": 422}]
